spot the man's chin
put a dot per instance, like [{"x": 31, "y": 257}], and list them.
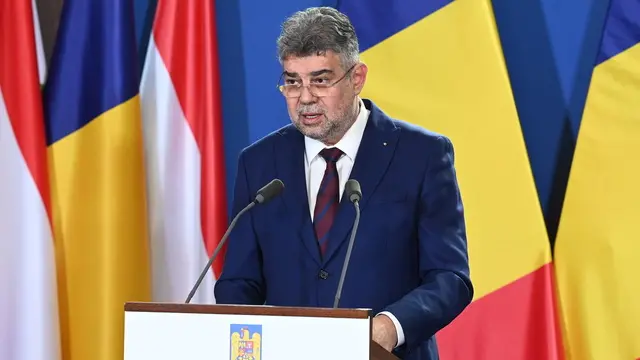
[{"x": 315, "y": 133}]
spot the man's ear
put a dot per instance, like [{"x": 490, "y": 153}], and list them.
[{"x": 359, "y": 76}]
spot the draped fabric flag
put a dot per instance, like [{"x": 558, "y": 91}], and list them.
[
  {"x": 439, "y": 64},
  {"x": 94, "y": 131},
  {"x": 29, "y": 326},
  {"x": 597, "y": 250},
  {"x": 181, "y": 109}
]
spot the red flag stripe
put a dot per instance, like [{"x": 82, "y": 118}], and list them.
[
  {"x": 186, "y": 40},
  {"x": 21, "y": 89},
  {"x": 519, "y": 319}
]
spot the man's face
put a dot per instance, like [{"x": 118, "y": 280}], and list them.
[{"x": 320, "y": 112}]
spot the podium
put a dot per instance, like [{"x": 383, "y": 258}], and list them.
[{"x": 162, "y": 331}]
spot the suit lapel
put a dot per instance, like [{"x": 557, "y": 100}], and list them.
[
  {"x": 372, "y": 161},
  {"x": 290, "y": 169}
]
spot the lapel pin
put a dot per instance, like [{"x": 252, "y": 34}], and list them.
[{"x": 384, "y": 144}]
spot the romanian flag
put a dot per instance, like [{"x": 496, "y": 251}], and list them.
[
  {"x": 29, "y": 328},
  {"x": 597, "y": 250},
  {"x": 94, "y": 132},
  {"x": 439, "y": 64},
  {"x": 182, "y": 118}
]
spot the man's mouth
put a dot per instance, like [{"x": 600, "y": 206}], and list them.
[{"x": 310, "y": 118}]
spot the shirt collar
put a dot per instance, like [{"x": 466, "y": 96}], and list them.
[{"x": 349, "y": 143}]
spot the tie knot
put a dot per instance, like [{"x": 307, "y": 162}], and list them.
[{"x": 331, "y": 155}]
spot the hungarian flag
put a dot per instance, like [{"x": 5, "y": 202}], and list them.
[
  {"x": 28, "y": 292},
  {"x": 182, "y": 120},
  {"x": 439, "y": 64}
]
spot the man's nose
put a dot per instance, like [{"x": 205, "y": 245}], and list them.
[{"x": 306, "y": 97}]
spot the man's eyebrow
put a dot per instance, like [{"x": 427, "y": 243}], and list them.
[
  {"x": 313, "y": 73},
  {"x": 320, "y": 72}
]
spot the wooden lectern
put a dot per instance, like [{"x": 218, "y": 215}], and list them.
[{"x": 161, "y": 331}]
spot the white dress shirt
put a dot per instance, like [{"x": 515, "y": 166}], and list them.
[{"x": 315, "y": 167}]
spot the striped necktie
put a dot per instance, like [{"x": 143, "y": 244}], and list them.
[{"x": 328, "y": 197}]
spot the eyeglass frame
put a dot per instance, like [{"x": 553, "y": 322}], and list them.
[{"x": 281, "y": 87}]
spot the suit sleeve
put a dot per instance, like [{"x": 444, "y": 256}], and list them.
[
  {"x": 241, "y": 281},
  {"x": 446, "y": 287}
]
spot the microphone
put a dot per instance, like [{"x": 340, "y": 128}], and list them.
[
  {"x": 264, "y": 195},
  {"x": 354, "y": 194},
  {"x": 269, "y": 191}
]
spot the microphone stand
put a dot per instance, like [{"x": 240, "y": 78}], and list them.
[
  {"x": 348, "y": 256},
  {"x": 215, "y": 252}
]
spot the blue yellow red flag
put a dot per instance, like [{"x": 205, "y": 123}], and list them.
[
  {"x": 97, "y": 179},
  {"x": 439, "y": 64},
  {"x": 597, "y": 251}
]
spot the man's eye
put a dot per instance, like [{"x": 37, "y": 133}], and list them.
[{"x": 320, "y": 81}]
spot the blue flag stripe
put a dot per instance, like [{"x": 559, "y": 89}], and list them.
[
  {"x": 622, "y": 29},
  {"x": 94, "y": 65},
  {"x": 375, "y": 22}
]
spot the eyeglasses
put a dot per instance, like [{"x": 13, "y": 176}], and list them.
[{"x": 319, "y": 86}]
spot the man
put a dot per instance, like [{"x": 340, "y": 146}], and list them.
[{"x": 409, "y": 262}]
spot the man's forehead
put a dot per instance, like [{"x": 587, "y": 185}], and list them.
[{"x": 309, "y": 65}]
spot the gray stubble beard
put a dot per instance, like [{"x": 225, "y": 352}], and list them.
[{"x": 332, "y": 131}]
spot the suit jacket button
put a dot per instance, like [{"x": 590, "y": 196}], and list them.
[{"x": 323, "y": 275}]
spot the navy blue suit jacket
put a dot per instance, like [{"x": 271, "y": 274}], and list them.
[{"x": 410, "y": 253}]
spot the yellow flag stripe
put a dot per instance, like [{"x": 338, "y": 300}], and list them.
[
  {"x": 447, "y": 74},
  {"x": 101, "y": 231},
  {"x": 597, "y": 250}
]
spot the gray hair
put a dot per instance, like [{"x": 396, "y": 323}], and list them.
[{"x": 317, "y": 30}]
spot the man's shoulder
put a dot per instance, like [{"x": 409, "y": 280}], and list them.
[
  {"x": 410, "y": 132},
  {"x": 264, "y": 146},
  {"x": 418, "y": 138},
  {"x": 419, "y": 133}
]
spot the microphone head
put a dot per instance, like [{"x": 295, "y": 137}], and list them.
[
  {"x": 352, "y": 190},
  {"x": 269, "y": 191}
]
